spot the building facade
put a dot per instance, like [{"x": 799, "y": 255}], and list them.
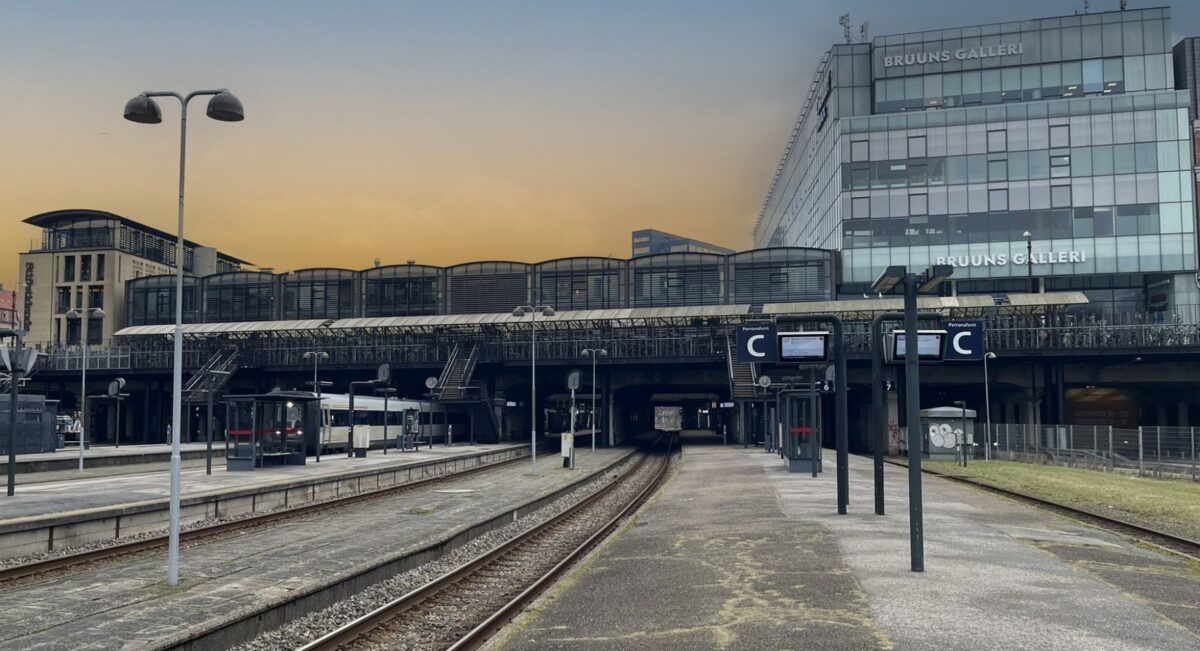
[
  {"x": 1054, "y": 153},
  {"x": 9, "y": 315},
  {"x": 72, "y": 285},
  {"x": 649, "y": 241}
]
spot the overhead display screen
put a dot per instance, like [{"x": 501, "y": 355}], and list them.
[
  {"x": 930, "y": 345},
  {"x": 803, "y": 346}
]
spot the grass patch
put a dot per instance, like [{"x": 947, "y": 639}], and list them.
[{"x": 1168, "y": 504}]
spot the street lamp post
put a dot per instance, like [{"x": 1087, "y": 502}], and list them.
[
  {"x": 316, "y": 356},
  {"x": 987, "y": 408},
  {"x": 533, "y": 311},
  {"x": 223, "y": 106},
  {"x": 14, "y": 382},
  {"x": 1028, "y": 259},
  {"x": 75, "y": 314},
  {"x": 593, "y": 353}
]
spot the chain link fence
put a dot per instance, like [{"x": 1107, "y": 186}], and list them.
[{"x": 1150, "y": 451}]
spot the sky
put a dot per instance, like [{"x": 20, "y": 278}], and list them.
[{"x": 440, "y": 132}]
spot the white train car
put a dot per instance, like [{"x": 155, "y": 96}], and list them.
[{"x": 368, "y": 410}]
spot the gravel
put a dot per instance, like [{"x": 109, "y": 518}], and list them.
[
  {"x": 114, "y": 542},
  {"x": 425, "y": 632}
]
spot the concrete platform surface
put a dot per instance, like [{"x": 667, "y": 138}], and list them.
[
  {"x": 127, "y": 605},
  {"x": 736, "y": 553},
  {"x": 104, "y": 490}
]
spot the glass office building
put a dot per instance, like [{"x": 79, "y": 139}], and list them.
[{"x": 949, "y": 146}]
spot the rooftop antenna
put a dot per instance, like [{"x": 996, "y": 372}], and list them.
[
  {"x": 844, "y": 21},
  {"x": 376, "y": 262},
  {"x": 862, "y": 31},
  {"x": 410, "y": 262},
  {"x": 1123, "y": 4}
]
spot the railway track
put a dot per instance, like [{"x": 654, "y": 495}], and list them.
[
  {"x": 1168, "y": 542},
  {"x": 58, "y": 564},
  {"x": 464, "y": 607}
]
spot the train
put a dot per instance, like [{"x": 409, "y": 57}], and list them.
[{"x": 429, "y": 418}]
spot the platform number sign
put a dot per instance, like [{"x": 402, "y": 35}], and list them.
[
  {"x": 889, "y": 386},
  {"x": 824, "y": 386},
  {"x": 964, "y": 341}
]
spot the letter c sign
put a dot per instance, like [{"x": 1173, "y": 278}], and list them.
[
  {"x": 966, "y": 340},
  {"x": 757, "y": 343}
]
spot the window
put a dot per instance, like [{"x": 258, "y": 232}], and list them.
[
  {"x": 1060, "y": 196},
  {"x": 917, "y": 175},
  {"x": 997, "y": 140},
  {"x": 860, "y": 207},
  {"x": 69, "y": 269},
  {"x": 860, "y": 150},
  {"x": 96, "y": 297},
  {"x": 64, "y": 300},
  {"x": 95, "y": 333},
  {"x": 100, "y": 266},
  {"x": 1060, "y": 136},
  {"x": 73, "y": 331},
  {"x": 916, "y": 146},
  {"x": 860, "y": 177},
  {"x": 997, "y": 200},
  {"x": 997, "y": 170},
  {"x": 85, "y": 267},
  {"x": 1060, "y": 165},
  {"x": 918, "y": 204}
]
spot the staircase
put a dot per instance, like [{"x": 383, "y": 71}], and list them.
[
  {"x": 212, "y": 377},
  {"x": 483, "y": 424},
  {"x": 742, "y": 377},
  {"x": 456, "y": 375}
]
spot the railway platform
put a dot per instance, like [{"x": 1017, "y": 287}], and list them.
[
  {"x": 736, "y": 553},
  {"x": 255, "y": 578},
  {"x": 54, "y": 514},
  {"x": 108, "y": 456}
]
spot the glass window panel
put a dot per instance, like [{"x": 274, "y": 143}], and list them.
[
  {"x": 1122, "y": 127},
  {"x": 957, "y": 199},
  {"x": 1039, "y": 195},
  {"x": 1051, "y": 43},
  {"x": 976, "y": 139},
  {"x": 1018, "y": 196},
  {"x": 1072, "y": 72},
  {"x": 1081, "y": 191},
  {"x": 1145, "y": 157},
  {"x": 860, "y": 150},
  {"x": 861, "y": 207},
  {"x": 1156, "y": 72},
  {"x": 1102, "y": 160},
  {"x": 1091, "y": 41},
  {"x": 998, "y": 170},
  {"x": 991, "y": 81},
  {"x": 1039, "y": 164},
  {"x": 1135, "y": 74},
  {"x": 898, "y": 203},
  {"x": 1144, "y": 126},
  {"x": 997, "y": 200},
  {"x": 972, "y": 83},
  {"x": 1093, "y": 76},
  {"x": 1102, "y": 129},
  {"x": 1168, "y": 156},
  {"x": 977, "y": 199},
  {"x": 1126, "y": 224},
  {"x": 1170, "y": 218},
  {"x": 1147, "y": 188},
  {"x": 1103, "y": 191},
  {"x": 1060, "y": 136},
  {"x": 956, "y": 140},
  {"x": 1082, "y": 227},
  {"x": 1072, "y": 46},
  {"x": 1126, "y": 187},
  {"x": 1060, "y": 196},
  {"x": 1124, "y": 161},
  {"x": 956, "y": 169},
  {"x": 916, "y": 146},
  {"x": 997, "y": 140},
  {"x": 1132, "y": 38},
  {"x": 1039, "y": 134},
  {"x": 1152, "y": 36},
  {"x": 1081, "y": 161},
  {"x": 1018, "y": 165},
  {"x": 1102, "y": 221},
  {"x": 1168, "y": 186},
  {"x": 879, "y": 204},
  {"x": 977, "y": 168},
  {"x": 952, "y": 85},
  {"x": 1111, "y": 35},
  {"x": 937, "y": 201},
  {"x": 918, "y": 204},
  {"x": 1081, "y": 131}
]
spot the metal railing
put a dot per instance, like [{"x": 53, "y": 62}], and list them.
[{"x": 1152, "y": 451}]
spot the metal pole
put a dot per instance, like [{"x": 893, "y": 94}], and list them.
[
  {"x": 385, "y": 420},
  {"x": 1110, "y": 448},
  {"x": 964, "y": 433},
  {"x": 571, "y": 456},
  {"x": 841, "y": 416},
  {"x": 14, "y": 379},
  {"x": 208, "y": 432},
  {"x": 593, "y": 418},
  {"x": 320, "y": 407},
  {"x": 987, "y": 409},
  {"x": 815, "y": 441},
  {"x": 533, "y": 387},
  {"x": 83, "y": 406},
  {"x": 877, "y": 406},
  {"x": 177, "y": 376},
  {"x": 1140, "y": 455},
  {"x": 1192, "y": 431},
  {"x": 912, "y": 378},
  {"x": 350, "y": 423}
]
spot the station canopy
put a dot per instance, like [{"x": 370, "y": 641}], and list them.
[{"x": 731, "y": 313}]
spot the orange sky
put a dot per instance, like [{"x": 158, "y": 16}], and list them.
[{"x": 443, "y": 147}]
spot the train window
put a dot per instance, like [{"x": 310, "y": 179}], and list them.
[{"x": 340, "y": 418}]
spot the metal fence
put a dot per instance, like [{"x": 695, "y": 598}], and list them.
[{"x": 1153, "y": 451}]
